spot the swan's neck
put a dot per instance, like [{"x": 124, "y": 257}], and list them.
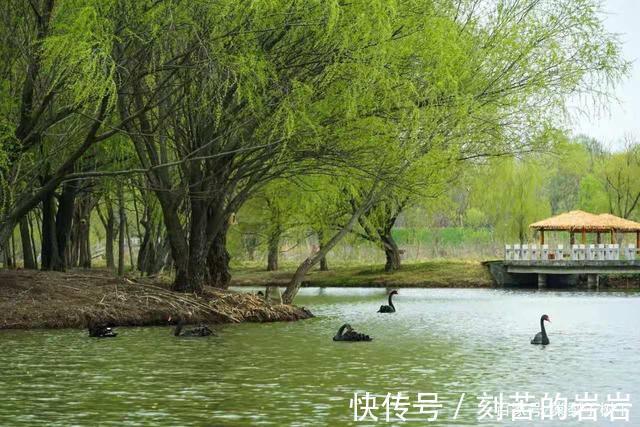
[
  {"x": 544, "y": 331},
  {"x": 341, "y": 330},
  {"x": 178, "y": 329},
  {"x": 391, "y": 302}
]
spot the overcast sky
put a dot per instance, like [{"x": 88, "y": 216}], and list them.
[{"x": 622, "y": 18}]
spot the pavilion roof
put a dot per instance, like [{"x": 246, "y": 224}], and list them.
[
  {"x": 580, "y": 220},
  {"x": 621, "y": 224}
]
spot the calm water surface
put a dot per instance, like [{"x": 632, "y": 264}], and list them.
[{"x": 445, "y": 341}]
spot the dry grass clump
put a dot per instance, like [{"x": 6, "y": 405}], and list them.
[{"x": 35, "y": 299}]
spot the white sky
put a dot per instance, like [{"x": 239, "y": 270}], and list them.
[{"x": 622, "y": 117}]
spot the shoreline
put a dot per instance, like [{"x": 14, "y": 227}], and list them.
[
  {"x": 430, "y": 274},
  {"x": 449, "y": 274},
  {"x": 31, "y": 299}
]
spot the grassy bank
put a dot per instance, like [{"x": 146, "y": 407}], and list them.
[
  {"x": 35, "y": 299},
  {"x": 431, "y": 274}
]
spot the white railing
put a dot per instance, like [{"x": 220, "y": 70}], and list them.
[{"x": 581, "y": 252}]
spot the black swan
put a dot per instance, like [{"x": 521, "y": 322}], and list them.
[
  {"x": 101, "y": 331},
  {"x": 350, "y": 334},
  {"x": 389, "y": 308},
  {"x": 541, "y": 337},
  {"x": 201, "y": 331}
]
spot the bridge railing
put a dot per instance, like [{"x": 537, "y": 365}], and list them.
[{"x": 581, "y": 252}]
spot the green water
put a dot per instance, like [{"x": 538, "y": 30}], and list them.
[{"x": 443, "y": 341}]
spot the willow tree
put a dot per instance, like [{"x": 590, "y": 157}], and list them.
[
  {"x": 504, "y": 86},
  {"x": 518, "y": 195},
  {"x": 426, "y": 179},
  {"x": 261, "y": 91},
  {"x": 492, "y": 78},
  {"x": 620, "y": 174},
  {"x": 277, "y": 210},
  {"x": 56, "y": 113},
  {"x": 270, "y": 216},
  {"x": 56, "y": 92}
]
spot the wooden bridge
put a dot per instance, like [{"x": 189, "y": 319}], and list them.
[{"x": 564, "y": 272}]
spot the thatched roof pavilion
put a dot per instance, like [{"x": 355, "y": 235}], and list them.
[
  {"x": 585, "y": 222},
  {"x": 570, "y": 221},
  {"x": 620, "y": 224}
]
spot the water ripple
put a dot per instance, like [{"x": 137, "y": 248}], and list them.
[{"x": 447, "y": 341}]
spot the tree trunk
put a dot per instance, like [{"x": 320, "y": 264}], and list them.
[
  {"x": 324, "y": 265},
  {"x": 162, "y": 256},
  {"x": 153, "y": 250},
  {"x": 33, "y": 240},
  {"x": 27, "y": 249},
  {"x": 144, "y": 251},
  {"x": 130, "y": 247},
  {"x": 74, "y": 254},
  {"x": 274, "y": 251},
  {"x": 108, "y": 221},
  {"x": 177, "y": 243},
  {"x": 84, "y": 243},
  {"x": 121, "y": 231},
  {"x": 218, "y": 260},
  {"x": 80, "y": 255},
  {"x": 110, "y": 230},
  {"x": 391, "y": 252},
  {"x": 50, "y": 258},
  {"x": 13, "y": 251},
  {"x": 296, "y": 281},
  {"x": 64, "y": 217},
  {"x": 8, "y": 262},
  {"x": 197, "y": 262},
  {"x": 181, "y": 281}
]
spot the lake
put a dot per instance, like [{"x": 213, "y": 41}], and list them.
[{"x": 466, "y": 345}]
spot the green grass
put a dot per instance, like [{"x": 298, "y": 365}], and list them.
[
  {"x": 419, "y": 275},
  {"x": 452, "y": 236}
]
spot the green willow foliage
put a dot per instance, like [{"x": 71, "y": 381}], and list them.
[
  {"x": 77, "y": 53},
  {"x": 57, "y": 70},
  {"x": 531, "y": 188},
  {"x": 219, "y": 98}
]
